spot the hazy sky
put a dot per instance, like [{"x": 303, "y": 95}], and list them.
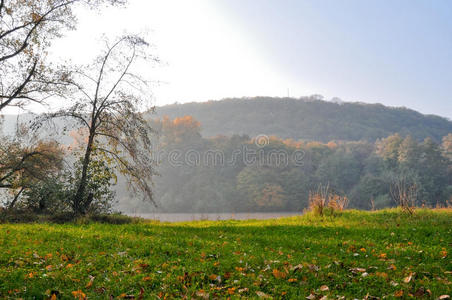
[{"x": 398, "y": 53}]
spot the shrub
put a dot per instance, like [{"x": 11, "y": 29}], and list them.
[
  {"x": 404, "y": 194},
  {"x": 337, "y": 202},
  {"x": 318, "y": 199},
  {"x": 112, "y": 219},
  {"x": 17, "y": 216},
  {"x": 46, "y": 197},
  {"x": 324, "y": 201}
]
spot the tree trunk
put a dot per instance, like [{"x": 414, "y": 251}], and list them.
[
  {"x": 78, "y": 205},
  {"x": 16, "y": 197}
]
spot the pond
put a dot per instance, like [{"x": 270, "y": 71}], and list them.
[{"x": 182, "y": 217}]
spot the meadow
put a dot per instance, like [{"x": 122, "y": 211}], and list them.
[{"x": 353, "y": 254}]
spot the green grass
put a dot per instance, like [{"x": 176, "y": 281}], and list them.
[{"x": 353, "y": 254}]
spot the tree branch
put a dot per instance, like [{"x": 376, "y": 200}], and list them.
[
  {"x": 11, "y": 205},
  {"x": 42, "y": 19},
  {"x": 21, "y": 87}
]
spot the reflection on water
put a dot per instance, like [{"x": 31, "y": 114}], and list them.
[{"x": 181, "y": 217}]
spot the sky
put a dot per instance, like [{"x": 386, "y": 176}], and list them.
[{"x": 398, "y": 53}]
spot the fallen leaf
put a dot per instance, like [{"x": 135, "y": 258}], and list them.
[
  {"x": 358, "y": 270},
  {"x": 398, "y": 293},
  {"x": 79, "y": 295},
  {"x": 296, "y": 268},
  {"x": 213, "y": 277},
  {"x": 314, "y": 268},
  {"x": 324, "y": 288},
  {"x": 125, "y": 296},
  {"x": 202, "y": 294},
  {"x": 393, "y": 283},
  {"x": 278, "y": 274},
  {"x": 408, "y": 278},
  {"x": 262, "y": 295},
  {"x": 90, "y": 283}
]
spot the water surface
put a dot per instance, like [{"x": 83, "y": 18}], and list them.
[{"x": 181, "y": 217}]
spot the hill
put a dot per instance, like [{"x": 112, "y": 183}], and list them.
[{"x": 308, "y": 119}]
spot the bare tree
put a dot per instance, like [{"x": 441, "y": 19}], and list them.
[
  {"x": 372, "y": 203},
  {"x": 26, "y": 31},
  {"x": 109, "y": 100},
  {"x": 318, "y": 199},
  {"x": 404, "y": 193}
]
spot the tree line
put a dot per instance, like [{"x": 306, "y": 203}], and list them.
[{"x": 362, "y": 171}]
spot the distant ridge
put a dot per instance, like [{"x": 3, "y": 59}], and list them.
[{"x": 308, "y": 119}]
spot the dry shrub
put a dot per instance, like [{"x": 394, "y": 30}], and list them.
[
  {"x": 372, "y": 203},
  {"x": 318, "y": 200},
  {"x": 322, "y": 199},
  {"x": 404, "y": 194},
  {"x": 337, "y": 202},
  {"x": 448, "y": 204}
]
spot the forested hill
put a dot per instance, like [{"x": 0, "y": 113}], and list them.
[{"x": 308, "y": 119}]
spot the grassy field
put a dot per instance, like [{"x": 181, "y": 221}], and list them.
[{"x": 354, "y": 254}]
